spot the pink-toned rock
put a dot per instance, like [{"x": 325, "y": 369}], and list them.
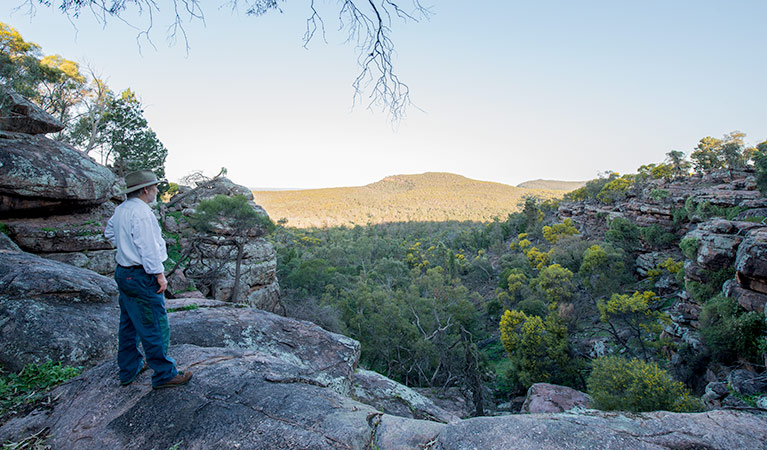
[
  {"x": 550, "y": 398},
  {"x": 751, "y": 263},
  {"x": 748, "y": 299}
]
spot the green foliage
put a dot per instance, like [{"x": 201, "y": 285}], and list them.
[
  {"x": 557, "y": 231},
  {"x": 665, "y": 171},
  {"x": 616, "y": 383},
  {"x": 760, "y": 163},
  {"x": 592, "y": 188},
  {"x": 730, "y": 332},
  {"x": 228, "y": 213},
  {"x": 29, "y": 385},
  {"x": 623, "y": 234},
  {"x": 638, "y": 315},
  {"x": 657, "y": 237},
  {"x": 5, "y": 229},
  {"x": 615, "y": 189},
  {"x": 679, "y": 166},
  {"x": 191, "y": 307},
  {"x": 533, "y": 307},
  {"x": 516, "y": 281},
  {"x": 690, "y": 246},
  {"x": 538, "y": 349},
  {"x": 602, "y": 269},
  {"x": 555, "y": 283},
  {"x": 705, "y": 157},
  {"x": 704, "y": 291},
  {"x": 705, "y": 210},
  {"x": 659, "y": 194},
  {"x": 123, "y": 136}
]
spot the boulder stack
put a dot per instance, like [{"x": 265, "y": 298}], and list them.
[{"x": 209, "y": 259}]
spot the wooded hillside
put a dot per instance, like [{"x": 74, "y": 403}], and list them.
[{"x": 432, "y": 196}]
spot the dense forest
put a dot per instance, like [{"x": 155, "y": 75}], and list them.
[{"x": 493, "y": 307}]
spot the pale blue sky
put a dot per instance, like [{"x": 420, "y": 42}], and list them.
[{"x": 510, "y": 91}]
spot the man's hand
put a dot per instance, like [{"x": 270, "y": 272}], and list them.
[{"x": 162, "y": 282}]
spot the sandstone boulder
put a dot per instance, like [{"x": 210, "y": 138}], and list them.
[
  {"x": 51, "y": 310},
  {"x": 751, "y": 264},
  {"x": 393, "y": 398},
  {"x": 747, "y": 383},
  {"x": 748, "y": 299},
  {"x": 320, "y": 357},
  {"x": 39, "y": 176},
  {"x": 550, "y": 398},
  {"x": 22, "y": 116},
  {"x": 212, "y": 263}
]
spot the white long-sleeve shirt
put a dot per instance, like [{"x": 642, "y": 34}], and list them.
[{"x": 135, "y": 231}]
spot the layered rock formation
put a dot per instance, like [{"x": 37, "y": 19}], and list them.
[
  {"x": 210, "y": 259},
  {"x": 53, "y": 199},
  {"x": 284, "y": 383},
  {"x": 52, "y": 310}
]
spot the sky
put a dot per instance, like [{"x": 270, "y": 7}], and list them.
[{"x": 505, "y": 91}]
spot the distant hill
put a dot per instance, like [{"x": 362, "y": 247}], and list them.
[
  {"x": 554, "y": 185},
  {"x": 432, "y": 196}
]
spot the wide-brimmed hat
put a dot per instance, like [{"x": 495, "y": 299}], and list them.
[{"x": 140, "y": 179}]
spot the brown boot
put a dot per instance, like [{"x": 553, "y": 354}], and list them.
[{"x": 179, "y": 380}]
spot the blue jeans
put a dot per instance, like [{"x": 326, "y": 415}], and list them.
[{"x": 142, "y": 318}]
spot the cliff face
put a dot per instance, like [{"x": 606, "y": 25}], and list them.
[{"x": 717, "y": 219}]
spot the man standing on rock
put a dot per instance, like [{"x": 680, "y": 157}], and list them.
[{"x": 141, "y": 280}]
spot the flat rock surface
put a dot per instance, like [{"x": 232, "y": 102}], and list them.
[
  {"x": 325, "y": 358},
  {"x": 605, "y": 430}
]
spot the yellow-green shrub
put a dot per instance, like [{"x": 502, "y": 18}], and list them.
[{"x": 617, "y": 383}]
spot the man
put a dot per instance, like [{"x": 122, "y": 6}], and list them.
[{"x": 141, "y": 280}]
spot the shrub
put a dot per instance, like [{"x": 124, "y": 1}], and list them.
[
  {"x": 538, "y": 349},
  {"x": 760, "y": 163},
  {"x": 656, "y": 236},
  {"x": 615, "y": 189},
  {"x": 638, "y": 314},
  {"x": 659, "y": 194},
  {"x": 729, "y": 331},
  {"x": 617, "y": 383},
  {"x": 31, "y": 383},
  {"x": 533, "y": 307},
  {"x": 623, "y": 233},
  {"x": 690, "y": 246},
  {"x": 557, "y": 231},
  {"x": 228, "y": 212}
]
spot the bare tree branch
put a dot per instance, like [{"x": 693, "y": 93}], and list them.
[{"x": 366, "y": 22}]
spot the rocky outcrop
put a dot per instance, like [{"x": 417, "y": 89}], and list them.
[
  {"x": 550, "y": 398},
  {"x": 393, "y": 398},
  {"x": 266, "y": 396},
  {"x": 51, "y": 310},
  {"x": 751, "y": 265},
  {"x": 657, "y": 202},
  {"x": 212, "y": 257},
  {"x": 317, "y": 356},
  {"x": 39, "y": 176},
  {"x": 22, "y": 116}
]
